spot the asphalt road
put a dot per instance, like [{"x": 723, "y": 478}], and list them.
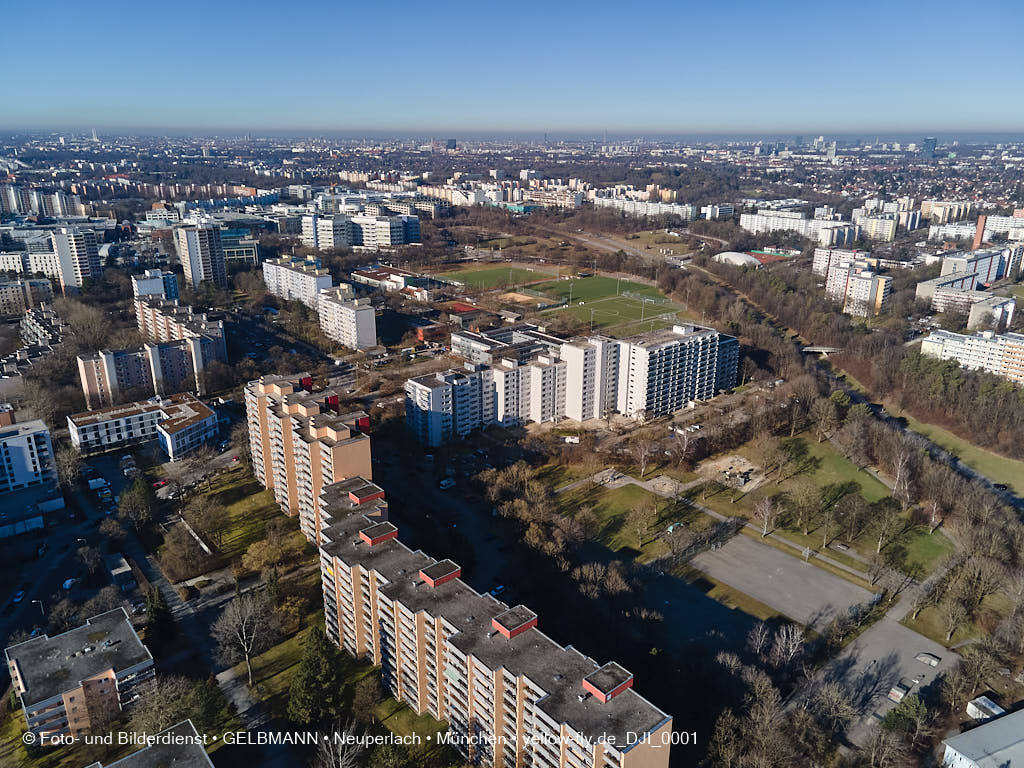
[
  {"x": 874, "y": 662},
  {"x": 801, "y": 591}
]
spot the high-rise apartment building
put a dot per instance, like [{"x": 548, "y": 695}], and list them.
[
  {"x": 824, "y": 258},
  {"x": 18, "y": 296},
  {"x": 26, "y": 453},
  {"x": 510, "y": 694},
  {"x": 163, "y": 285},
  {"x": 346, "y": 319},
  {"x": 862, "y": 292},
  {"x": 72, "y": 683},
  {"x": 294, "y": 279},
  {"x": 1001, "y": 354},
  {"x": 113, "y": 376},
  {"x": 644, "y": 376},
  {"x": 163, "y": 320},
  {"x": 300, "y": 443},
  {"x": 78, "y": 256},
  {"x": 989, "y": 264},
  {"x": 201, "y": 254}
]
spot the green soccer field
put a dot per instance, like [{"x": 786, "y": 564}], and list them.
[
  {"x": 496, "y": 277},
  {"x": 594, "y": 299},
  {"x": 590, "y": 288}
]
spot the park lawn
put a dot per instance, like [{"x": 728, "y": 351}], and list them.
[
  {"x": 650, "y": 238},
  {"x": 929, "y": 622},
  {"x": 399, "y": 718},
  {"x": 496, "y": 277},
  {"x": 249, "y": 507},
  {"x": 922, "y": 548},
  {"x": 611, "y": 505},
  {"x": 1000, "y": 469}
]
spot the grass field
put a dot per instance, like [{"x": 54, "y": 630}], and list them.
[
  {"x": 826, "y": 466},
  {"x": 610, "y": 302},
  {"x": 249, "y": 507},
  {"x": 1000, "y": 469},
  {"x": 496, "y": 277}
]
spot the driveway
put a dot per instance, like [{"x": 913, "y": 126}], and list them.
[{"x": 801, "y": 591}]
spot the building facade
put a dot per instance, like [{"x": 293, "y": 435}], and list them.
[
  {"x": 18, "y": 296},
  {"x": 80, "y": 680},
  {"x": 349, "y": 321},
  {"x": 163, "y": 320},
  {"x": 201, "y": 254},
  {"x": 510, "y": 694},
  {"x": 77, "y": 256},
  {"x": 295, "y": 279},
  {"x": 1001, "y": 354},
  {"x": 300, "y": 443},
  {"x": 163, "y": 285},
  {"x": 26, "y": 454},
  {"x": 644, "y": 376},
  {"x": 179, "y": 424}
]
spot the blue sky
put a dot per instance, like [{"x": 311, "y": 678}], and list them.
[{"x": 561, "y": 67}]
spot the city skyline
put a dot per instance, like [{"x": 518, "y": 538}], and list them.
[{"x": 473, "y": 69}]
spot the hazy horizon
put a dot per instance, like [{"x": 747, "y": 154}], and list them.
[{"x": 564, "y": 69}]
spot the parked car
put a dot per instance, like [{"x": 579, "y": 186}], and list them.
[
  {"x": 19, "y": 596},
  {"x": 497, "y": 590},
  {"x": 160, "y": 483},
  {"x": 446, "y": 484}
]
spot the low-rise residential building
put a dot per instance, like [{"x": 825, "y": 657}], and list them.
[
  {"x": 154, "y": 282},
  {"x": 42, "y": 326},
  {"x": 997, "y": 743},
  {"x": 510, "y": 694},
  {"x": 294, "y": 279},
  {"x": 26, "y": 453},
  {"x": 301, "y": 442},
  {"x": 18, "y": 296},
  {"x": 347, "y": 320},
  {"x": 179, "y": 423},
  {"x": 1001, "y": 354},
  {"x": 79, "y": 680},
  {"x": 180, "y": 746}
]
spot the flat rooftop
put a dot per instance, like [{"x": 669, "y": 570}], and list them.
[
  {"x": 557, "y": 671},
  {"x": 176, "y": 747},
  {"x": 184, "y": 411},
  {"x": 49, "y": 666},
  {"x": 609, "y": 677},
  {"x": 994, "y": 744}
]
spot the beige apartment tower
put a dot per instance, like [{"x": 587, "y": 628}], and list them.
[{"x": 301, "y": 443}]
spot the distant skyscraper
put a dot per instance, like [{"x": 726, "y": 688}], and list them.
[
  {"x": 450, "y": 144},
  {"x": 928, "y": 146},
  {"x": 201, "y": 254},
  {"x": 94, "y": 136}
]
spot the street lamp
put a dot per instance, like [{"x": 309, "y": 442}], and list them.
[{"x": 42, "y": 612}]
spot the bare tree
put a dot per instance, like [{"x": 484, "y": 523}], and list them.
[
  {"x": 91, "y": 558},
  {"x": 69, "y": 465},
  {"x": 787, "y": 644},
  {"x": 339, "y": 748},
  {"x": 885, "y": 749},
  {"x": 165, "y": 700},
  {"x": 825, "y": 415},
  {"x": 758, "y": 638},
  {"x": 953, "y": 614},
  {"x": 244, "y": 629},
  {"x": 888, "y": 522},
  {"x": 805, "y": 496},
  {"x": 642, "y": 449},
  {"x": 767, "y": 512},
  {"x": 830, "y": 704},
  {"x": 641, "y": 519}
]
